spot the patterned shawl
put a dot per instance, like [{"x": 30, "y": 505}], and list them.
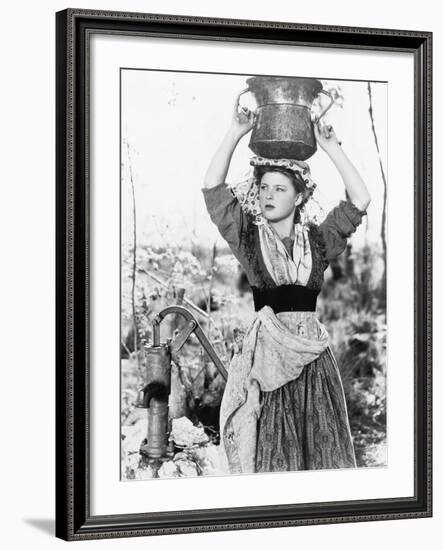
[{"x": 282, "y": 268}]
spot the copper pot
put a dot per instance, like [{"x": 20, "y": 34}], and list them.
[{"x": 284, "y": 126}]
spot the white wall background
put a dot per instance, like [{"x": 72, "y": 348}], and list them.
[{"x": 27, "y": 275}]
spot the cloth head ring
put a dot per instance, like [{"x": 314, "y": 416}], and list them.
[{"x": 297, "y": 166}]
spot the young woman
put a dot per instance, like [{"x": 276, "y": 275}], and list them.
[{"x": 283, "y": 407}]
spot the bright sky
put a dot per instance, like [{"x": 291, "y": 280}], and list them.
[{"x": 174, "y": 122}]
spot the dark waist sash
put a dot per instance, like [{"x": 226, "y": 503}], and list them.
[{"x": 285, "y": 298}]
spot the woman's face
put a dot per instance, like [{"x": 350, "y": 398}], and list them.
[{"x": 277, "y": 195}]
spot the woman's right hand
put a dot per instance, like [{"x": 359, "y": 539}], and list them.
[
  {"x": 242, "y": 122},
  {"x": 243, "y": 119}
]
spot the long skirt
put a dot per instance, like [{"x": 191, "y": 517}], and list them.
[{"x": 304, "y": 424}]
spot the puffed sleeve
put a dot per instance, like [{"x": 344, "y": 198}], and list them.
[
  {"x": 338, "y": 225},
  {"x": 225, "y": 211}
]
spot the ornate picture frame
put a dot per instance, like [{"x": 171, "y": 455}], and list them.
[{"x": 75, "y": 519}]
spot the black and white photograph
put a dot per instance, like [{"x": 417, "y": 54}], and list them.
[{"x": 253, "y": 262}]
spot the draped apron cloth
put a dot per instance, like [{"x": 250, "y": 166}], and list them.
[{"x": 272, "y": 355}]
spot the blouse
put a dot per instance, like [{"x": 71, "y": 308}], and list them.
[{"x": 327, "y": 240}]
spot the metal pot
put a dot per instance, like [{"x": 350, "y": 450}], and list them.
[{"x": 284, "y": 127}]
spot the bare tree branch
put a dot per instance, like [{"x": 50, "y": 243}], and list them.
[
  {"x": 134, "y": 258},
  {"x": 383, "y": 217}
]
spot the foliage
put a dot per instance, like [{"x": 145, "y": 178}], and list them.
[{"x": 353, "y": 309}]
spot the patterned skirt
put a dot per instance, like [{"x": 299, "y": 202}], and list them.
[{"x": 304, "y": 424}]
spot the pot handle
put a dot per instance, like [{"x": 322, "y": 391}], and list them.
[
  {"x": 245, "y": 91},
  {"x": 322, "y": 114}
]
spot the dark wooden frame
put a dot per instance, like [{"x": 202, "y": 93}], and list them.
[{"x": 73, "y": 30}]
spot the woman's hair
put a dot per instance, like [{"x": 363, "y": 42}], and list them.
[{"x": 296, "y": 180}]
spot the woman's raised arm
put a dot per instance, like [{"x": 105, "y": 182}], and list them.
[
  {"x": 355, "y": 186},
  {"x": 241, "y": 123}
]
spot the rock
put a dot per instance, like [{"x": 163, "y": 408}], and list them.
[
  {"x": 168, "y": 469},
  {"x": 180, "y": 456},
  {"x": 187, "y": 467},
  {"x": 131, "y": 462},
  {"x": 134, "y": 435},
  {"x": 185, "y": 434},
  {"x": 130, "y": 446},
  {"x": 145, "y": 472},
  {"x": 211, "y": 460}
]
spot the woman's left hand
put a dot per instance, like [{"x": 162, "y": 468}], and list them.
[{"x": 325, "y": 136}]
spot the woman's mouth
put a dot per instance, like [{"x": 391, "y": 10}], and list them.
[{"x": 269, "y": 206}]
